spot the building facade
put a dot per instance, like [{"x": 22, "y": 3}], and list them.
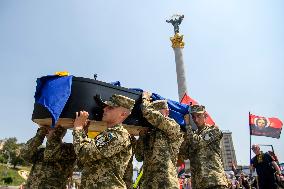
[{"x": 228, "y": 151}]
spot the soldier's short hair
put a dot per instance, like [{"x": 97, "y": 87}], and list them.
[{"x": 255, "y": 146}]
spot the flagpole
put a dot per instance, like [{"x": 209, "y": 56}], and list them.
[{"x": 249, "y": 144}]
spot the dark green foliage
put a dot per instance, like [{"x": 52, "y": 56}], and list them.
[{"x": 7, "y": 180}]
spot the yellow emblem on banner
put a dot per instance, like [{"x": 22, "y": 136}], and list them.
[{"x": 62, "y": 73}]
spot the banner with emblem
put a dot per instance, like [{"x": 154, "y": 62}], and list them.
[
  {"x": 188, "y": 100},
  {"x": 262, "y": 126}
]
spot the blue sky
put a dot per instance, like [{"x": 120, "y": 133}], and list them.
[{"x": 233, "y": 55}]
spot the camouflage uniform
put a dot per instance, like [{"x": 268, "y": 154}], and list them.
[
  {"x": 51, "y": 165},
  {"x": 105, "y": 158},
  {"x": 202, "y": 148},
  {"x": 128, "y": 175},
  {"x": 159, "y": 149}
]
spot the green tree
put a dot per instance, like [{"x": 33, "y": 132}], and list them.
[
  {"x": 11, "y": 151},
  {"x": 3, "y": 159}
]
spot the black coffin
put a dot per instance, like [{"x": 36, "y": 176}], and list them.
[{"x": 82, "y": 96}]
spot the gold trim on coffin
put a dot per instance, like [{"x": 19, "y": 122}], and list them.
[{"x": 95, "y": 126}]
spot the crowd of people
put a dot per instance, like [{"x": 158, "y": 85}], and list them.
[
  {"x": 241, "y": 180},
  {"x": 106, "y": 160}
]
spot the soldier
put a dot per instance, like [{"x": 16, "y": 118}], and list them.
[
  {"x": 158, "y": 149},
  {"x": 105, "y": 158},
  {"x": 202, "y": 148},
  {"x": 53, "y": 164}
]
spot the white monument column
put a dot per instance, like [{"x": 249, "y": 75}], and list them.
[{"x": 178, "y": 44}]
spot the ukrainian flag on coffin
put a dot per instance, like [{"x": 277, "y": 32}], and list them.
[
  {"x": 52, "y": 92},
  {"x": 177, "y": 110}
]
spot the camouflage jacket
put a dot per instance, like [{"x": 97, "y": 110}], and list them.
[
  {"x": 104, "y": 158},
  {"x": 128, "y": 175},
  {"x": 159, "y": 149},
  {"x": 51, "y": 165},
  {"x": 202, "y": 148}
]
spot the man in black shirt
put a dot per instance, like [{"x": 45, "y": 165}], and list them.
[{"x": 265, "y": 168}]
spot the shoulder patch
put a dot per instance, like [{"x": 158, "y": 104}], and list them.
[
  {"x": 104, "y": 138},
  {"x": 207, "y": 137}
]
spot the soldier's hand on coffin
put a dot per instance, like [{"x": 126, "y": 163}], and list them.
[
  {"x": 50, "y": 133},
  {"x": 146, "y": 95},
  {"x": 187, "y": 119},
  {"x": 81, "y": 120},
  {"x": 44, "y": 128},
  {"x": 86, "y": 126}
]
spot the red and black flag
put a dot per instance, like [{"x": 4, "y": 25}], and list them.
[
  {"x": 187, "y": 100},
  {"x": 262, "y": 126}
]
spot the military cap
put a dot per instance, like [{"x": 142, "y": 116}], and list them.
[
  {"x": 120, "y": 100},
  {"x": 199, "y": 109},
  {"x": 160, "y": 104}
]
